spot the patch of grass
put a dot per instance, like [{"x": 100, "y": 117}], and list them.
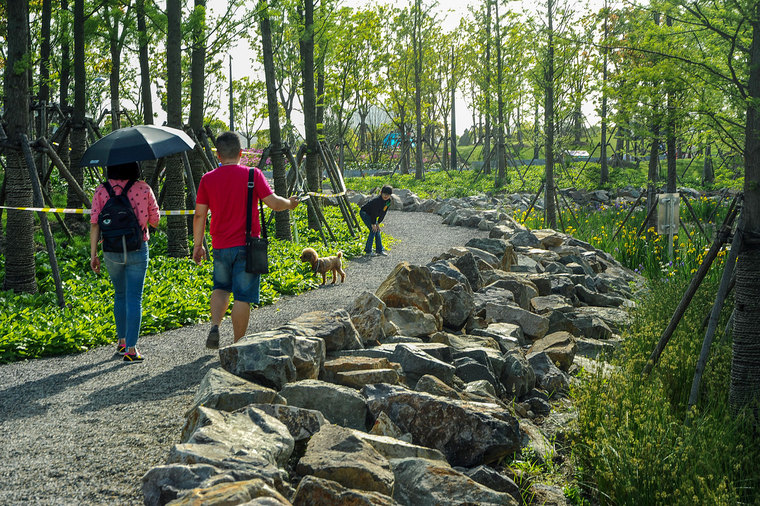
[{"x": 176, "y": 291}]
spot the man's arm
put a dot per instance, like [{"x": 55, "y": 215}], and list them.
[
  {"x": 199, "y": 230},
  {"x": 277, "y": 203}
]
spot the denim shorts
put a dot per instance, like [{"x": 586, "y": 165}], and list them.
[{"x": 230, "y": 275}]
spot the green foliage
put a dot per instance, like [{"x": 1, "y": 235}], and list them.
[
  {"x": 637, "y": 440},
  {"x": 176, "y": 291}
]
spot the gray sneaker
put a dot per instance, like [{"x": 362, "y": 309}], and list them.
[
  {"x": 383, "y": 253},
  {"x": 212, "y": 341}
]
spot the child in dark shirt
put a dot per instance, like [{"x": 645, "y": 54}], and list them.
[{"x": 372, "y": 214}]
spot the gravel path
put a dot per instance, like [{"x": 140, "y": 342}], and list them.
[{"x": 83, "y": 429}]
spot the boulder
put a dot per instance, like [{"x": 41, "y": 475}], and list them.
[
  {"x": 410, "y": 285},
  {"x": 469, "y": 370},
  {"x": 597, "y": 299},
  {"x": 523, "y": 289},
  {"x": 548, "y": 494},
  {"x": 339, "y": 404},
  {"x": 549, "y": 238},
  {"x": 224, "y": 391},
  {"x": 548, "y": 376},
  {"x": 314, "y": 491},
  {"x": 446, "y": 276},
  {"x": 593, "y": 348},
  {"x": 162, "y": 484},
  {"x": 355, "y": 372},
  {"x": 368, "y": 316},
  {"x": 467, "y": 433},
  {"x": 508, "y": 335},
  {"x": 265, "y": 358},
  {"x": 433, "y": 386},
  {"x": 517, "y": 377},
  {"x": 412, "y": 322},
  {"x": 427, "y": 482},
  {"x": 460, "y": 342},
  {"x": 238, "y": 492},
  {"x": 337, "y": 454},
  {"x": 525, "y": 238},
  {"x": 394, "y": 448},
  {"x": 335, "y": 327},
  {"x": 457, "y": 306},
  {"x": 560, "y": 346},
  {"x": 468, "y": 266},
  {"x": 532, "y": 325},
  {"x": 248, "y": 441},
  {"x": 589, "y": 325},
  {"x": 549, "y": 303},
  {"x": 496, "y": 247},
  {"x": 308, "y": 356},
  {"x": 301, "y": 423},
  {"x": 384, "y": 426},
  {"x": 494, "y": 480},
  {"x": 616, "y": 319},
  {"x": 416, "y": 363}
]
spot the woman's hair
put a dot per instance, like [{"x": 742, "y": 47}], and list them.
[
  {"x": 387, "y": 190},
  {"x": 130, "y": 170}
]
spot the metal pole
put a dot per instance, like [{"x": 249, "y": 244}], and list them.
[{"x": 232, "y": 103}]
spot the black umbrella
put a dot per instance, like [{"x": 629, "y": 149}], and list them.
[{"x": 132, "y": 144}]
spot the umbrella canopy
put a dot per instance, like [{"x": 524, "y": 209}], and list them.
[{"x": 136, "y": 143}]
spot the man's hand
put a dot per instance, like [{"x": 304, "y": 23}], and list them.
[
  {"x": 375, "y": 228},
  {"x": 293, "y": 202},
  {"x": 95, "y": 264},
  {"x": 199, "y": 253}
]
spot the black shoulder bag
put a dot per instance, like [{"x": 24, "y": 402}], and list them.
[{"x": 256, "y": 261}]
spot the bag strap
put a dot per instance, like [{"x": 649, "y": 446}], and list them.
[
  {"x": 249, "y": 209},
  {"x": 124, "y": 191}
]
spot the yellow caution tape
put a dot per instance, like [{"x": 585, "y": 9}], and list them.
[
  {"x": 87, "y": 211},
  {"x": 315, "y": 194}
]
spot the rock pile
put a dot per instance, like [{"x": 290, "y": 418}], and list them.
[{"x": 413, "y": 394}]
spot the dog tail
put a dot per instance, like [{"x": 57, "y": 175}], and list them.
[{"x": 340, "y": 254}]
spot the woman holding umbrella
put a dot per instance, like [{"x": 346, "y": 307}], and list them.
[{"x": 126, "y": 268}]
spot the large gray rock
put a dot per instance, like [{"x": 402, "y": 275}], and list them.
[
  {"x": 428, "y": 483},
  {"x": 416, "y": 363},
  {"x": 368, "y": 316},
  {"x": 589, "y": 325},
  {"x": 445, "y": 275},
  {"x": 339, "y": 404},
  {"x": 548, "y": 376},
  {"x": 496, "y": 247},
  {"x": 597, "y": 299},
  {"x": 525, "y": 238},
  {"x": 517, "y": 377},
  {"x": 508, "y": 335},
  {"x": 337, "y": 454},
  {"x": 548, "y": 303},
  {"x": 494, "y": 480},
  {"x": 522, "y": 288},
  {"x": 334, "y": 327},
  {"x": 616, "y": 319},
  {"x": 224, "y": 391},
  {"x": 560, "y": 346},
  {"x": 411, "y": 322},
  {"x": 468, "y": 266},
  {"x": 255, "y": 491},
  {"x": 162, "y": 484},
  {"x": 410, "y": 285},
  {"x": 247, "y": 441},
  {"x": 470, "y": 370},
  {"x": 467, "y": 433},
  {"x": 457, "y": 306},
  {"x": 308, "y": 356},
  {"x": 301, "y": 423},
  {"x": 265, "y": 358},
  {"x": 314, "y": 491},
  {"x": 533, "y": 325},
  {"x": 394, "y": 448}
]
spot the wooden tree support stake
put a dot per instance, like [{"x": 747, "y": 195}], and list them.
[
  {"x": 39, "y": 202},
  {"x": 720, "y": 239},
  {"x": 694, "y": 215},
  {"x": 630, "y": 212},
  {"x": 533, "y": 202},
  {"x": 720, "y": 297},
  {"x": 64, "y": 172}
]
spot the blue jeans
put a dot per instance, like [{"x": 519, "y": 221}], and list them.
[
  {"x": 128, "y": 278},
  {"x": 230, "y": 275},
  {"x": 372, "y": 234}
]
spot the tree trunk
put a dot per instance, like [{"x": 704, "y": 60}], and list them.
[
  {"x": 175, "y": 176},
  {"x": 310, "y": 106},
  {"x": 148, "y": 166},
  {"x": 19, "y": 259},
  {"x": 551, "y": 216},
  {"x": 197, "y": 86},
  {"x": 44, "y": 94},
  {"x": 536, "y": 132},
  {"x": 653, "y": 173},
  {"x": 605, "y": 172},
  {"x": 114, "y": 47},
  {"x": 487, "y": 134},
  {"x": 64, "y": 80},
  {"x": 453, "y": 112},
  {"x": 708, "y": 173},
  {"x": 417, "y": 42},
  {"x": 501, "y": 175},
  {"x": 670, "y": 143},
  {"x": 745, "y": 364},
  {"x": 275, "y": 136},
  {"x": 78, "y": 127}
]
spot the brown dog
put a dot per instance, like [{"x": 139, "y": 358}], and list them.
[{"x": 325, "y": 264}]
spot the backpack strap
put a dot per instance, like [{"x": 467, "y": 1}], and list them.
[{"x": 249, "y": 209}]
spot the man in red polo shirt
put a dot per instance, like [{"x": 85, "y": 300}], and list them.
[{"x": 223, "y": 191}]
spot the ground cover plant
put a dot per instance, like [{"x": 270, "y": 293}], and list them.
[{"x": 176, "y": 291}]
